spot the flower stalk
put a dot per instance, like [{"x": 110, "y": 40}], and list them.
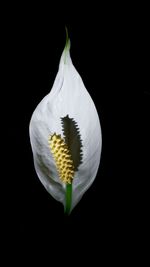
[{"x": 68, "y": 198}]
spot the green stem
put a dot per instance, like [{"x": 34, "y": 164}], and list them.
[{"x": 68, "y": 198}]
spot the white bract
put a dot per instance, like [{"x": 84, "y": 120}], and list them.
[{"x": 68, "y": 97}]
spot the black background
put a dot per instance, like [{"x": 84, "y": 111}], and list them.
[{"x": 102, "y": 51}]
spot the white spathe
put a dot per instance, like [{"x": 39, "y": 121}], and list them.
[{"x": 67, "y": 97}]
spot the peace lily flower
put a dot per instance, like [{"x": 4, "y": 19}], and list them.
[{"x": 65, "y": 136}]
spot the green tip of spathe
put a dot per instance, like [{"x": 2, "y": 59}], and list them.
[
  {"x": 67, "y": 45},
  {"x": 67, "y": 37}
]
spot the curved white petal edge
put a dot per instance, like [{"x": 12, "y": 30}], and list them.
[{"x": 68, "y": 96}]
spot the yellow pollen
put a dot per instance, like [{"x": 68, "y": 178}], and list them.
[{"x": 62, "y": 157}]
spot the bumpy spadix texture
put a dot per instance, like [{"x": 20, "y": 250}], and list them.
[
  {"x": 65, "y": 135},
  {"x": 62, "y": 156}
]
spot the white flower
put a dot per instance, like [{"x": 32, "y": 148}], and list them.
[{"x": 65, "y": 136}]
